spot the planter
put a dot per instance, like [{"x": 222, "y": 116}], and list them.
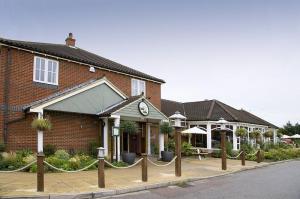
[
  {"x": 129, "y": 158},
  {"x": 167, "y": 156}
]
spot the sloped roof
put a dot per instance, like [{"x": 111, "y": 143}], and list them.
[
  {"x": 77, "y": 54},
  {"x": 210, "y": 110},
  {"x": 118, "y": 106}
]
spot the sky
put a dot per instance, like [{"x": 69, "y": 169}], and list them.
[{"x": 243, "y": 53}]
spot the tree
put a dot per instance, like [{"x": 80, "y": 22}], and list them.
[{"x": 290, "y": 129}]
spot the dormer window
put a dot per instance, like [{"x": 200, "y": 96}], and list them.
[
  {"x": 138, "y": 87},
  {"x": 45, "y": 71}
]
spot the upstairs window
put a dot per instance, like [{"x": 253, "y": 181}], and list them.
[
  {"x": 45, "y": 71},
  {"x": 138, "y": 87}
]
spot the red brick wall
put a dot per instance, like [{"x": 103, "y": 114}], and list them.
[
  {"x": 70, "y": 131},
  {"x": 23, "y": 90}
]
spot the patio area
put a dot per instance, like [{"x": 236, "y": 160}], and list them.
[{"x": 22, "y": 183}]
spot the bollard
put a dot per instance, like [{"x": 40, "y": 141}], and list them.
[
  {"x": 177, "y": 152},
  {"x": 40, "y": 171},
  {"x": 101, "y": 176},
  {"x": 144, "y": 168},
  {"x": 223, "y": 148},
  {"x": 243, "y": 158},
  {"x": 258, "y": 156}
]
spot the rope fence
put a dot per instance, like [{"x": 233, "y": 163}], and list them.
[
  {"x": 20, "y": 169},
  {"x": 235, "y": 157},
  {"x": 252, "y": 154},
  {"x": 113, "y": 166},
  {"x": 162, "y": 165},
  {"x": 66, "y": 171}
]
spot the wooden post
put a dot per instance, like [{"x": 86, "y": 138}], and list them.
[
  {"x": 178, "y": 152},
  {"x": 144, "y": 168},
  {"x": 258, "y": 156},
  {"x": 40, "y": 172},
  {"x": 243, "y": 158},
  {"x": 223, "y": 150},
  {"x": 101, "y": 176}
]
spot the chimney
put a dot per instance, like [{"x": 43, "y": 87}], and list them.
[{"x": 70, "y": 41}]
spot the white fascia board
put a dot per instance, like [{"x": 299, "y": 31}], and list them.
[
  {"x": 230, "y": 123},
  {"x": 39, "y": 108}
]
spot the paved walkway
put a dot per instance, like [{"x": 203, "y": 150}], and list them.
[{"x": 22, "y": 183}]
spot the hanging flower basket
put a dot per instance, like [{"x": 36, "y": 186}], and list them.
[
  {"x": 268, "y": 134},
  {"x": 41, "y": 124},
  {"x": 241, "y": 132},
  {"x": 254, "y": 134}
]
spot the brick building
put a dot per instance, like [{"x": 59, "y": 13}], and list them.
[{"x": 83, "y": 94}]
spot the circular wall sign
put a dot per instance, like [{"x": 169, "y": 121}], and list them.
[{"x": 143, "y": 108}]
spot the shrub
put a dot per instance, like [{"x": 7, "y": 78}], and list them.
[
  {"x": 228, "y": 146},
  {"x": 170, "y": 145},
  {"x": 92, "y": 149},
  {"x": 24, "y": 152},
  {"x": 49, "y": 149},
  {"x": 282, "y": 154},
  {"x": 62, "y": 154},
  {"x": 166, "y": 128},
  {"x": 11, "y": 161},
  {"x": 120, "y": 164},
  {"x": 42, "y": 124},
  {"x": 2, "y": 147},
  {"x": 186, "y": 148}
]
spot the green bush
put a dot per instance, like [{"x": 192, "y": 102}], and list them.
[
  {"x": 62, "y": 154},
  {"x": 170, "y": 146},
  {"x": 2, "y": 147},
  {"x": 92, "y": 149},
  {"x": 49, "y": 149},
  {"x": 11, "y": 161},
  {"x": 282, "y": 154},
  {"x": 228, "y": 146},
  {"x": 186, "y": 149},
  {"x": 24, "y": 152},
  {"x": 120, "y": 164},
  {"x": 216, "y": 154}
]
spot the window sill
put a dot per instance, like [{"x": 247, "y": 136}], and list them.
[{"x": 45, "y": 85}]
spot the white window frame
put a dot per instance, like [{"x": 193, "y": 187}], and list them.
[
  {"x": 46, "y": 71},
  {"x": 138, "y": 87}
]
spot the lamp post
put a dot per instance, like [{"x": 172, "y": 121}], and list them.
[
  {"x": 222, "y": 123},
  {"x": 177, "y": 117},
  {"x": 101, "y": 176}
]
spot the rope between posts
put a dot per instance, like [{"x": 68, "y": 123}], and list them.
[
  {"x": 66, "y": 171},
  {"x": 252, "y": 153},
  {"x": 235, "y": 156},
  {"x": 162, "y": 165},
  {"x": 113, "y": 166},
  {"x": 20, "y": 169}
]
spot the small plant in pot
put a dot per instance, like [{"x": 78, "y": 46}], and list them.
[
  {"x": 130, "y": 128},
  {"x": 41, "y": 124},
  {"x": 168, "y": 154}
]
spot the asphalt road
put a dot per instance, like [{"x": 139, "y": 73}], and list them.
[{"x": 279, "y": 181}]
